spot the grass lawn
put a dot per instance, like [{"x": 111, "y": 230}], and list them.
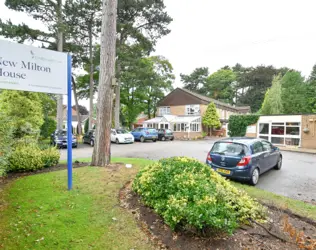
[{"x": 37, "y": 212}]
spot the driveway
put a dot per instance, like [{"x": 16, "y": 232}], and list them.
[{"x": 296, "y": 179}]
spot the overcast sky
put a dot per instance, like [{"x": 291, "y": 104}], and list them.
[{"x": 214, "y": 33}]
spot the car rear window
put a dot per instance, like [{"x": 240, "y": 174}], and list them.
[
  {"x": 151, "y": 130},
  {"x": 229, "y": 148}
]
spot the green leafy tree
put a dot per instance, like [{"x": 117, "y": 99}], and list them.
[
  {"x": 219, "y": 85},
  {"x": 312, "y": 90},
  {"x": 295, "y": 93},
  {"x": 157, "y": 78},
  {"x": 211, "y": 118},
  {"x": 196, "y": 81},
  {"x": 253, "y": 84},
  {"x": 24, "y": 109},
  {"x": 272, "y": 103},
  {"x": 6, "y": 135},
  {"x": 86, "y": 126},
  {"x": 48, "y": 127}
]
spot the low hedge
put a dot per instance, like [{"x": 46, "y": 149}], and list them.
[
  {"x": 29, "y": 157},
  {"x": 187, "y": 193},
  {"x": 237, "y": 124}
]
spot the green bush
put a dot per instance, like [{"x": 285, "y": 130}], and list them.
[
  {"x": 237, "y": 124},
  {"x": 187, "y": 193},
  {"x": 48, "y": 127},
  {"x": 6, "y": 135},
  {"x": 50, "y": 157},
  {"x": 26, "y": 157}
]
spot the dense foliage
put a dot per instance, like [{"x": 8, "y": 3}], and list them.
[
  {"x": 272, "y": 103},
  {"x": 24, "y": 109},
  {"x": 237, "y": 124},
  {"x": 48, "y": 127},
  {"x": 187, "y": 193},
  {"x": 211, "y": 118},
  {"x": 28, "y": 156},
  {"x": 5, "y": 142}
]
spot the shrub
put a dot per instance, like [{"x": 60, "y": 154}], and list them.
[
  {"x": 237, "y": 124},
  {"x": 26, "y": 157},
  {"x": 48, "y": 127},
  {"x": 186, "y": 192},
  {"x": 6, "y": 136},
  {"x": 50, "y": 157}
]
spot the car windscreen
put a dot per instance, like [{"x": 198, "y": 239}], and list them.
[
  {"x": 121, "y": 131},
  {"x": 229, "y": 148},
  {"x": 61, "y": 133}
]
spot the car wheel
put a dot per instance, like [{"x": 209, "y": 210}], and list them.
[
  {"x": 92, "y": 143},
  {"x": 117, "y": 141},
  {"x": 172, "y": 139},
  {"x": 154, "y": 140},
  {"x": 142, "y": 139},
  {"x": 278, "y": 166},
  {"x": 163, "y": 138},
  {"x": 254, "y": 177}
]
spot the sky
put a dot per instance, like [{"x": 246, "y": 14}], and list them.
[{"x": 214, "y": 33}]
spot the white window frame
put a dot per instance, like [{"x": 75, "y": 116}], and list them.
[
  {"x": 165, "y": 110},
  {"x": 284, "y": 136},
  {"x": 188, "y": 109}
]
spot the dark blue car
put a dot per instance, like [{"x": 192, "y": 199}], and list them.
[
  {"x": 145, "y": 134},
  {"x": 244, "y": 158}
]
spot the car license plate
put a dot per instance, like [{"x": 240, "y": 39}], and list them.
[
  {"x": 154, "y": 137},
  {"x": 224, "y": 171}
]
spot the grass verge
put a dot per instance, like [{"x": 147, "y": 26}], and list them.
[{"x": 37, "y": 212}]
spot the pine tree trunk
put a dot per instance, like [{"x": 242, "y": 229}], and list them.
[
  {"x": 102, "y": 148},
  {"x": 74, "y": 88},
  {"x": 91, "y": 90},
  {"x": 60, "y": 112},
  {"x": 117, "y": 98}
]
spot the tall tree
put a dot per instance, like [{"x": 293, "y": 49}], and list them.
[
  {"x": 102, "y": 148},
  {"x": 272, "y": 103},
  {"x": 139, "y": 22},
  {"x": 196, "y": 81},
  {"x": 84, "y": 18},
  {"x": 211, "y": 118},
  {"x": 312, "y": 90},
  {"x": 54, "y": 36},
  {"x": 295, "y": 93},
  {"x": 255, "y": 82},
  {"x": 219, "y": 85},
  {"x": 157, "y": 80}
]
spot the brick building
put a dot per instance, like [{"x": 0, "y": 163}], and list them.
[{"x": 182, "y": 112}]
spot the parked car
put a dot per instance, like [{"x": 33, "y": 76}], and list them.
[
  {"x": 165, "y": 134},
  {"x": 59, "y": 139},
  {"x": 88, "y": 138},
  {"x": 244, "y": 158},
  {"x": 121, "y": 136},
  {"x": 145, "y": 134}
]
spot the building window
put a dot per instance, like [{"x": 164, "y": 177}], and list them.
[
  {"x": 264, "y": 128},
  {"x": 192, "y": 109},
  {"x": 164, "y": 111},
  {"x": 195, "y": 127}
]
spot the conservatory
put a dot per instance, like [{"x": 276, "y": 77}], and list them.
[{"x": 175, "y": 123}]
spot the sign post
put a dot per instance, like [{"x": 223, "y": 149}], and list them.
[{"x": 34, "y": 69}]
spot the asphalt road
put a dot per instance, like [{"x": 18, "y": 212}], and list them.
[{"x": 296, "y": 179}]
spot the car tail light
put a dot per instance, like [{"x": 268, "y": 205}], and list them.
[
  {"x": 244, "y": 161},
  {"x": 209, "y": 158}
]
